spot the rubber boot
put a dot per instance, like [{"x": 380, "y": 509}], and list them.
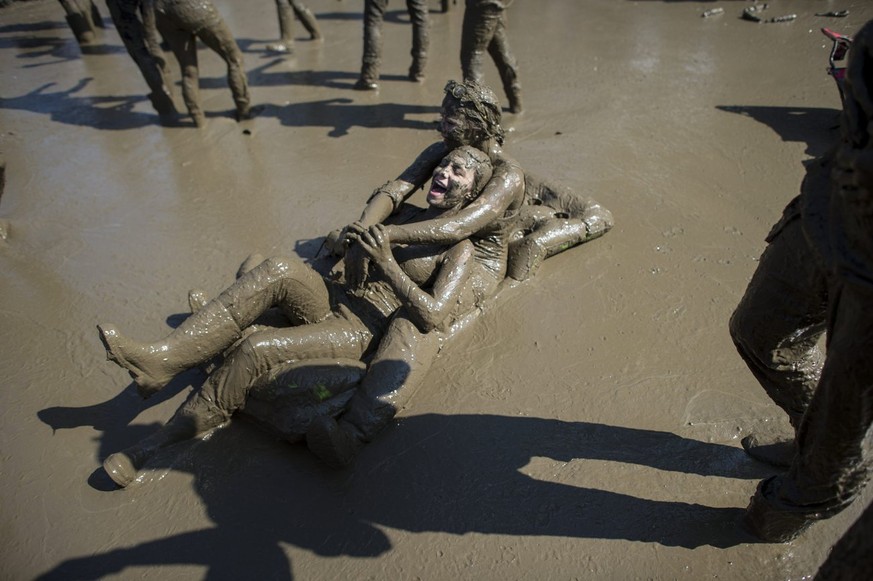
[
  {"x": 199, "y": 338},
  {"x": 369, "y": 79},
  {"x": 286, "y": 30},
  {"x": 772, "y": 524},
  {"x": 514, "y": 95},
  {"x": 416, "y": 71}
]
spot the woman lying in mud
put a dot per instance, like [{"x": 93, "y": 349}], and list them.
[{"x": 331, "y": 319}]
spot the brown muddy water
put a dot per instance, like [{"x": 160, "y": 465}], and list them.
[{"x": 587, "y": 426}]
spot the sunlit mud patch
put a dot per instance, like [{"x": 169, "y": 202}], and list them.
[{"x": 717, "y": 416}]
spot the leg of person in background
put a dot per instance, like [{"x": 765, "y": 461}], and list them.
[
  {"x": 506, "y": 64},
  {"x": 307, "y": 19},
  {"x": 418, "y": 14},
  {"x": 484, "y": 29},
  {"x": 287, "y": 11},
  {"x": 777, "y": 337},
  {"x": 833, "y": 459},
  {"x": 184, "y": 47},
  {"x": 140, "y": 40},
  {"x": 80, "y": 21},
  {"x": 374, "y": 16},
  {"x": 219, "y": 38}
]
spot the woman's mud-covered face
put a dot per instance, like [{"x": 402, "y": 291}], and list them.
[{"x": 452, "y": 182}]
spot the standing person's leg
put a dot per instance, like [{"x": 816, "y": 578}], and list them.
[
  {"x": 184, "y": 47},
  {"x": 137, "y": 37},
  {"x": 371, "y": 61},
  {"x": 478, "y": 30},
  {"x": 403, "y": 358},
  {"x": 506, "y": 64},
  {"x": 776, "y": 328},
  {"x": 834, "y": 459},
  {"x": 307, "y": 18},
  {"x": 418, "y": 14},
  {"x": 217, "y": 36},
  {"x": 285, "y": 13},
  {"x": 96, "y": 18},
  {"x": 225, "y": 391},
  {"x": 79, "y": 20},
  {"x": 285, "y": 282}
]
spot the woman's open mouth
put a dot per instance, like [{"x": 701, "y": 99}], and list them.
[{"x": 438, "y": 189}]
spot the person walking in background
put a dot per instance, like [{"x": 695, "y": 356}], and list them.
[
  {"x": 374, "y": 17},
  {"x": 484, "y": 30},
  {"x": 287, "y": 10}
]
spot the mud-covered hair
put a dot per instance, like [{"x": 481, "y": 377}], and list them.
[
  {"x": 858, "y": 99},
  {"x": 480, "y": 106},
  {"x": 481, "y": 164}
]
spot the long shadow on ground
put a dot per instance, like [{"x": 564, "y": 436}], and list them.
[{"x": 451, "y": 474}]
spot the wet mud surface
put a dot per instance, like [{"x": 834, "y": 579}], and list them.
[{"x": 587, "y": 426}]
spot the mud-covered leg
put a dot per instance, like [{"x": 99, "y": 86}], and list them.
[
  {"x": 195, "y": 418},
  {"x": 140, "y": 40},
  {"x": 507, "y": 66},
  {"x": 833, "y": 459},
  {"x": 307, "y": 19},
  {"x": 226, "y": 390},
  {"x": 80, "y": 21},
  {"x": 401, "y": 362},
  {"x": 96, "y": 18},
  {"x": 286, "y": 28},
  {"x": 184, "y": 47},
  {"x": 777, "y": 338},
  {"x": 418, "y": 14},
  {"x": 551, "y": 237},
  {"x": 478, "y": 30},
  {"x": 374, "y": 15},
  {"x": 219, "y": 38},
  {"x": 284, "y": 282}
]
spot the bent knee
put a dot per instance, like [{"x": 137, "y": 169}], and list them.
[{"x": 281, "y": 265}]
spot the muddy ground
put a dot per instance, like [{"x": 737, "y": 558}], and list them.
[{"x": 588, "y": 426}]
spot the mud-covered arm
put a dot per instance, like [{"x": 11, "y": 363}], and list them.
[
  {"x": 387, "y": 198},
  {"x": 427, "y": 311},
  {"x": 506, "y": 186}
]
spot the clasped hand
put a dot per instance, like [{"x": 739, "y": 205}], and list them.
[{"x": 373, "y": 243}]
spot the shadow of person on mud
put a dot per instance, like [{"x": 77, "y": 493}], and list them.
[
  {"x": 116, "y": 113},
  {"x": 62, "y": 48},
  {"x": 64, "y": 106},
  {"x": 427, "y": 473},
  {"x": 263, "y": 76},
  {"x": 814, "y": 126},
  {"x": 341, "y": 115}
]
